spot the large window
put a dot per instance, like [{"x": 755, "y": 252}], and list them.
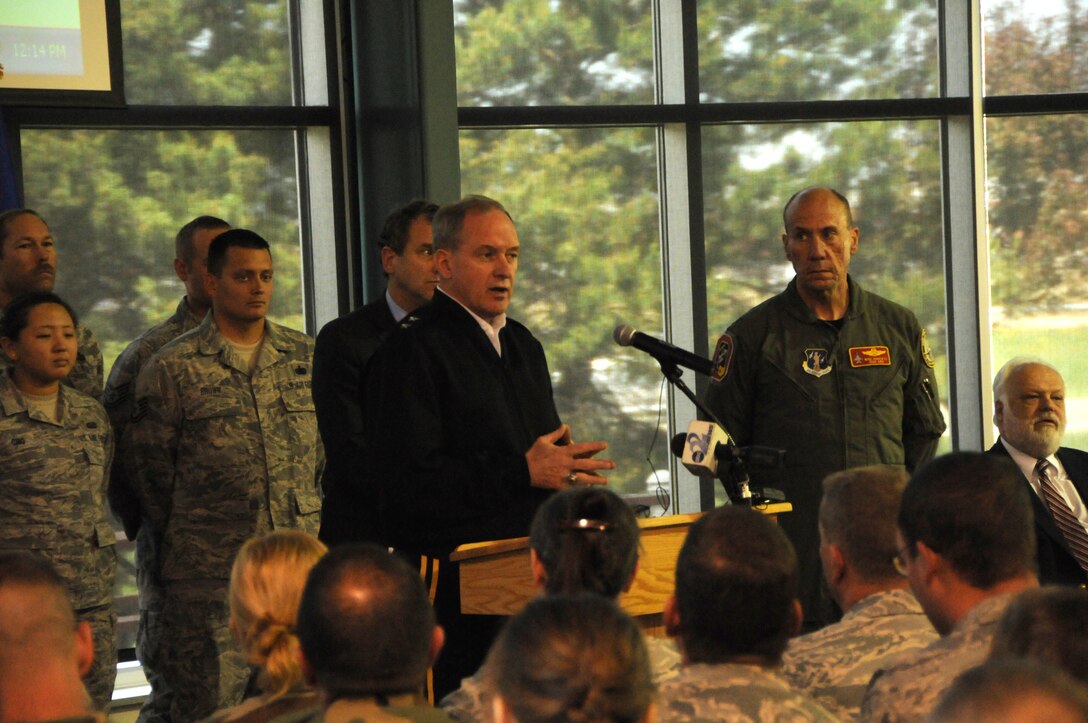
[
  {"x": 230, "y": 114},
  {"x": 733, "y": 106},
  {"x": 586, "y": 204},
  {"x": 890, "y": 171},
  {"x": 1036, "y": 191}
]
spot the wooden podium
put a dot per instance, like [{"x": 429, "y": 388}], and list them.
[{"x": 495, "y": 576}]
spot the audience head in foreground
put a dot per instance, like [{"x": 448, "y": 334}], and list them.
[
  {"x": 734, "y": 608},
  {"x": 571, "y": 658},
  {"x": 44, "y": 652},
  {"x": 736, "y": 590},
  {"x": 1012, "y": 690},
  {"x": 966, "y": 545},
  {"x": 265, "y": 589},
  {"x": 584, "y": 539},
  {"x": 857, "y": 532},
  {"x": 366, "y": 627},
  {"x": 882, "y": 620},
  {"x": 1049, "y": 625},
  {"x": 965, "y": 534}
]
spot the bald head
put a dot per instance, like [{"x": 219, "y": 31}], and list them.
[
  {"x": 44, "y": 651},
  {"x": 365, "y": 623},
  {"x": 817, "y": 192}
]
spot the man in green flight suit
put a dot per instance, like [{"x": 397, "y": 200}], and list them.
[{"x": 836, "y": 376}]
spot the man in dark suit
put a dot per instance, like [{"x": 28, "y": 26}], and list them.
[
  {"x": 463, "y": 439},
  {"x": 343, "y": 348},
  {"x": 1029, "y": 410}
]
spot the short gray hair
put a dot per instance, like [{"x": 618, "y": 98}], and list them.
[{"x": 450, "y": 218}]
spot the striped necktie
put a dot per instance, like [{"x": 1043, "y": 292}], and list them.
[{"x": 1073, "y": 531}]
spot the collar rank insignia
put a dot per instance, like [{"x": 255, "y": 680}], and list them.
[
  {"x": 817, "y": 362},
  {"x": 870, "y": 356},
  {"x": 723, "y": 355}
]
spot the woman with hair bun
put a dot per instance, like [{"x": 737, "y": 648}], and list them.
[
  {"x": 582, "y": 540},
  {"x": 265, "y": 589}
]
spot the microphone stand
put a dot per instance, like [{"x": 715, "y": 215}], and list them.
[{"x": 738, "y": 487}]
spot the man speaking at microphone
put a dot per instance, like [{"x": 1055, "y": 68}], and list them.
[
  {"x": 466, "y": 442},
  {"x": 836, "y": 376}
]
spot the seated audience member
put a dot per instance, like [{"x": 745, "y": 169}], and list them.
[
  {"x": 882, "y": 618},
  {"x": 1049, "y": 625},
  {"x": 56, "y": 447},
  {"x": 1029, "y": 411},
  {"x": 571, "y": 658},
  {"x": 265, "y": 588},
  {"x": 1012, "y": 690},
  {"x": 583, "y": 539},
  {"x": 733, "y": 611},
  {"x": 44, "y": 651},
  {"x": 368, "y": 635},
  {"x": 966, "y": 545}
]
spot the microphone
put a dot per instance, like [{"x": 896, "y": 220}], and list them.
[
  {"x": 698, "y": 449},
  {"x": 664, "y": 352},
  {"x": 706, "y": 443}
]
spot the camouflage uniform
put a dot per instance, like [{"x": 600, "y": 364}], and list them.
[
  {"x": 86, "y": 375},
  {"x": 53, "y": 501},
  {"x": 472, "y": 701},
  {"x": 737, "y": 693},
  {"x": 909, "y": 690},
  {"x": 118, "y": 402},
  {"x": 220, "y": 456},
  {"x": 834, "y": 664}
]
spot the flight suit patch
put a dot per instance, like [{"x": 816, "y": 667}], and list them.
[
  {"x": 816, "y": 362},
  {"x": 870, "y": 356},
  {"x": 927, "y": 353},
  {"x": 723, "y": 355}
]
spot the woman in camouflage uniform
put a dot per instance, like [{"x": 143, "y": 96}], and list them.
[{"x": 55, "y": 451}]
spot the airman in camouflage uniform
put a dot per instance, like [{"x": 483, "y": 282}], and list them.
[
  {"x": 734, "y": 608},
  {"x": 190, "y": 264},
  {"x": 834, "y": 664},
  {"x": 226, "y": 451},
  {"x": 736, "y": 693},
  {"x": 53, "y": 477},
  {"x": 967, "y": 546},
  {"x": 28, "y": 262},
  {"x": 883, "y": 620},
  {"x": 117, "y": 400},
  {"x": 910, "y": 690}
]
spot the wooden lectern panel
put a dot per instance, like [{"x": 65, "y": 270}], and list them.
[{"x": 495, "y": 576}]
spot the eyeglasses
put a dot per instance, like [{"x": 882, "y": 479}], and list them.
[{"x": 900, "y": 561}]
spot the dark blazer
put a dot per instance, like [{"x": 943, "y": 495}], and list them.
[
  {"x": 343, "y": 349},
  {"x": 448, "y": 423},
  {"x": 1057, "y": 566}
]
